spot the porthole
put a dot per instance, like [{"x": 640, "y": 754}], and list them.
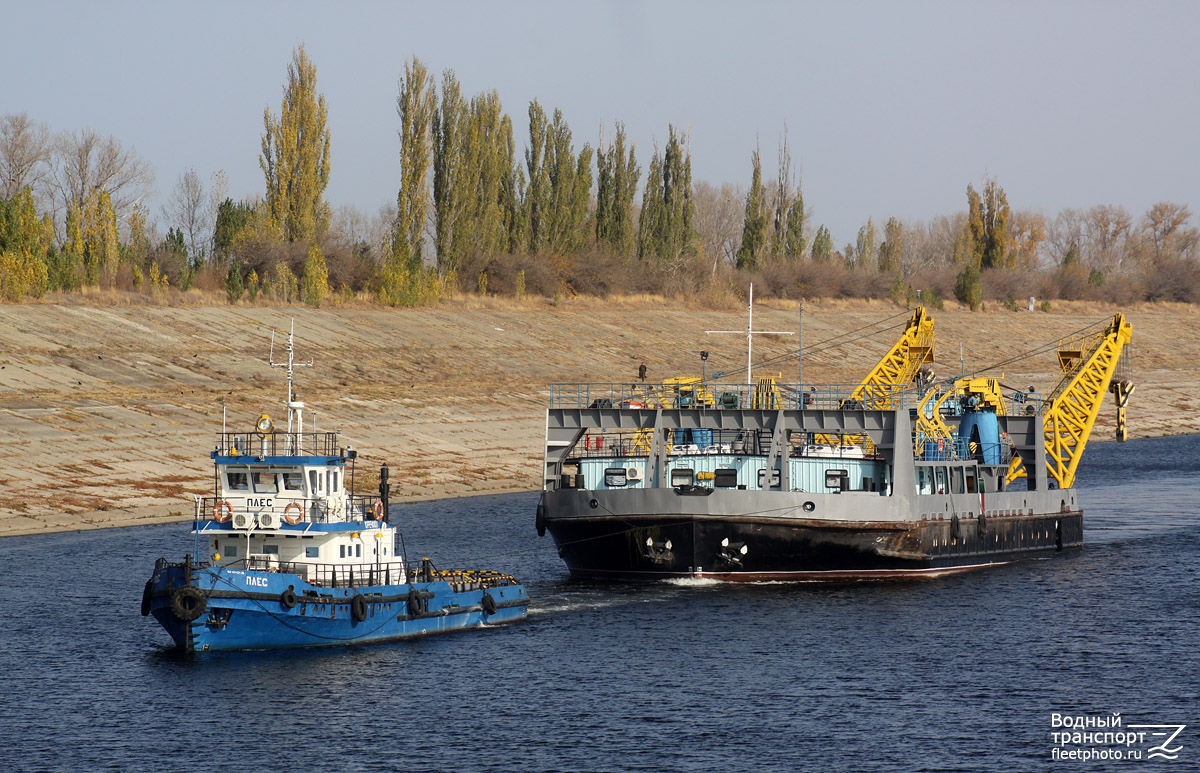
[{"x": 809, "y": 507}]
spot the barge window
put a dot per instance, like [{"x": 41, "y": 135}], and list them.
[
  {"x": 762, "y": 478},
  {"x": 941, "y": 480},
  {"x": 682, "y": 476},
  {"x": 956, "y": 480},
  {"x": 271, "y": 549},
  {"x": 264, "y": 482},
  {"x": 231, "y": 551},
  {"x": 924, "y": 479},
  {"x": 726, "y": 478},
  {"x": 312, "y": 552},
  {"x": 614, "y": 476},
  {"x": 238, "y": 481},
  {"x": 293, "y": 481}
]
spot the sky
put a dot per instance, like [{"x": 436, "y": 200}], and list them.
[{"x": 891, "y": 109}]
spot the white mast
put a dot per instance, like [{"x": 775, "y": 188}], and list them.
[
  {"x": 294, "y": 406},
  {"x": 750, "y": 333}
]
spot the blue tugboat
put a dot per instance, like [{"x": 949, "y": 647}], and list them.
[{"x": 296, "y": 559}]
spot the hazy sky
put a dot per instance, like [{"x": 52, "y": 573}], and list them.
[{"x": 892, "y": 108}]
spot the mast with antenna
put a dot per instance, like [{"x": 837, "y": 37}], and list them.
[
  {"x": 295, "y": 408},
  {"x": 750, "y": 333}
]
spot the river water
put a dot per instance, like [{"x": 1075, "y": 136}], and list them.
[{"x": 956, "y": 674}]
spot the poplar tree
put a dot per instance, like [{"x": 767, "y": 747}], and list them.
[
  {"x": 92, "y": 242},
  {"x": 512, "y": 192},
  {"x": 558, "y": 193},
  {"x": 822, "y": 247},
  {"x": 295, "y": 156},
  {"x": 891, "y": 250},
  {"x": 488, "y": 139},
  {"x": 537, "y": 188},
  {"x": 864, "y": 248},
  {"x": 416, "y": 105},
  {"x": 450, "y": 183},
  {"x": 987, "y": 225},
  {"x": 668, "y": 195},
  {"x": 788, "y": 234},
  {"x": 651, "y": 206},
  {"x": 617, "y": 179},
  {"x": 754, "y": 225},
  {"x": 570, "y": 178},
  {"x": 794, "y": 243}
]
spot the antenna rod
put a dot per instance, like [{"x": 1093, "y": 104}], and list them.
[{"x": 750, "y": 333}]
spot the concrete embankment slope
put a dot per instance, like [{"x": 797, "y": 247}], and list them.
[{"x": 107, "y": 413}]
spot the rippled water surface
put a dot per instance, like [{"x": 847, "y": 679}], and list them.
[{"x": 959, "y": 673}]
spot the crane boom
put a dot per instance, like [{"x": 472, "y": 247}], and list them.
[
  {"x": 899, "y": 367},
  {"x": 1071, "y": 410}
]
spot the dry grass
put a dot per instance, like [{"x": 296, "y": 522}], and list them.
[{"x": 452, "y": 396}]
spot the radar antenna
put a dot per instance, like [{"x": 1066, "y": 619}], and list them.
[{"x": 295, "y": 407}]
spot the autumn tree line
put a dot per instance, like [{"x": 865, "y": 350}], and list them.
[{"x": 475, "y": 213}]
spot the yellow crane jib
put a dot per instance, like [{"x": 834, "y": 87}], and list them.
[
  {"x": 900, "y": 366},
  {"x": 1071, "y": 410}
]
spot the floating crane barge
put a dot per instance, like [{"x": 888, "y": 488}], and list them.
[{"x": 899, "y": 476}]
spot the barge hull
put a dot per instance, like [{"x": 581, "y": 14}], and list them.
[{"x": 656, "y": 547}]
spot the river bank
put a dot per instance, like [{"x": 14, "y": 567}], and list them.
[{"x": 107, "y": 413}]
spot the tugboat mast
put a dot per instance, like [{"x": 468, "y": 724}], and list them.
[{"x": 295, "y": 407}]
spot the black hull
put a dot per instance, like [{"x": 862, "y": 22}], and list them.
[{"x": 742, "y": 549}]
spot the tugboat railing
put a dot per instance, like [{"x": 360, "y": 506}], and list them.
[
  {"x": 374, "y": 574},
  {"x": 278, "y": 444}
]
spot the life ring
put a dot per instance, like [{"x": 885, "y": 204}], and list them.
[
  {"x": 222, "y": 507},
  {"x": 146, "y": 596},
  {"x": 188, "y": 603},
  {"x": 287, "y": 599},
  {"x": 488, "y": 603},
  {"x": 377, "y": 510},
  {"x": 293, "y": 519},
  {"x": 358, "y": 608}
]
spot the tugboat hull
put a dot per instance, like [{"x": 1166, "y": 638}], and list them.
[{"x": 206, "y": 609}]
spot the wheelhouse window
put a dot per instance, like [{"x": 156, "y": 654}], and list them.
[
  {"x": 312, "y": 552},
  {"x": 272, "y": 550},
  {"x": 942, "y": 481},
  {"x": 293, "y": 481},
  {"x": 231, "y": 550},
  {"x": 237, "y": 481},
  {"x": 971, "y": 480},
  {"x": 314, "y": 481},
  {"x": 264, "y": 482}
]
